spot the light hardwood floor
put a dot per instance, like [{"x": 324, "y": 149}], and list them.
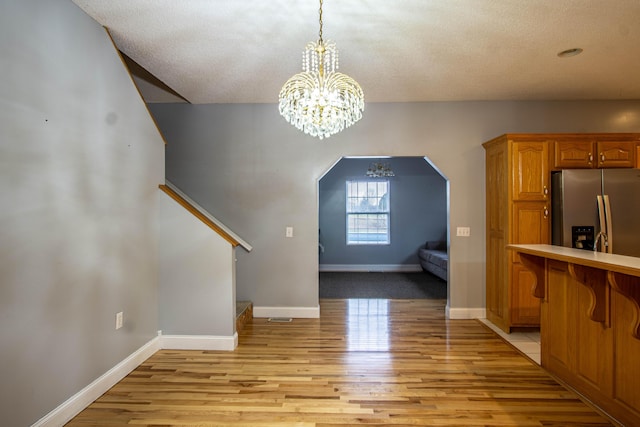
[{"x": 374, "y": 362}]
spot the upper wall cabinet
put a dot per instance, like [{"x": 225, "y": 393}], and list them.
[
  {"x": 573, "y": 154},
  {"x": 616, "y": 154},
  {"x": 530, "y": 161},
  {"x": 597, "y": 152}
]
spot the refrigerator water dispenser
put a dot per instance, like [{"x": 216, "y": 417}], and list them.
[{"x": 582, "y": 237}]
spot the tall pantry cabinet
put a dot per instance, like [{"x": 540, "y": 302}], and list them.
[
  {"x": 518, "y": 175},
  {"x": 518, "y": 201}
]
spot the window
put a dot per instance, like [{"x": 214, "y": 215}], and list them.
[{"x": 368, "y": 212}]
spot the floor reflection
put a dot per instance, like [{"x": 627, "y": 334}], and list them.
[{"x": 368, "y": 324}]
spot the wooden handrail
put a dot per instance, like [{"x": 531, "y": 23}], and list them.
[
  {"x": 133, "y": 81},
  {"x": 196, "y": 212}
]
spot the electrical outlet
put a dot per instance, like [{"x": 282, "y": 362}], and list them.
[
  {"x": 463, "y": 231},
  {"x": 119, "y": 320},
  {"x": 288, "y": 232}
]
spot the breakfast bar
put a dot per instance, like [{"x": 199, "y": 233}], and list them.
[{"x": 590, "y": 323}]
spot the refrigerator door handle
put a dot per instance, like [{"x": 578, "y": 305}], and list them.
[
  {"x": 607, "y": 214},
  {"x": 602, "y": 222}
]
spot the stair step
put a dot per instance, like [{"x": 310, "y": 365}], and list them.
[{"x": 244, "y": 314}]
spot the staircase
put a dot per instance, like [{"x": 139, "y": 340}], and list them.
[
  {"x": 209, "y": 287},
  {"x": 244, "y": 314}
]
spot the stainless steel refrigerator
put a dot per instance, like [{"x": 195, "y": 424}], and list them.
[{"x": 586, "y": 202}]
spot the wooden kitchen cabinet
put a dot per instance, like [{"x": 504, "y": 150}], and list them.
[
  {"x": 518, "y": 211},
  {"x": 589, "y": 325},
  {"x": 559, "y": 350},
  {"x": 530, "y": 170},
  {"x": 518, "y": 207},
  {"x": 573, "y": 154},
  {"x": 531, "y": 224},
  {"x": 597, "y": 151},
  {"x": 524, "y": 308},
  {"x": 616, "y": 154},
  {"x": 577, "y": 347},
  {"x": 498, "y": 263}
]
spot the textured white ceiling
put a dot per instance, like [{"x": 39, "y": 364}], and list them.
[{"x": 232, "y": 51}]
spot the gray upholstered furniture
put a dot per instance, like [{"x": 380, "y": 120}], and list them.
[{"x": 434, "y": 259}]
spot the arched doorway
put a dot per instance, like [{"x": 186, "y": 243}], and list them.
[{"x": 416, "y": 198}]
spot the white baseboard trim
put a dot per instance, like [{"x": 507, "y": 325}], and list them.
[
  {"x": 465, "y": 313},
  {"x": 395, "y": 268},
  {"x": 199, "y": 342},
  {"x": 79, "y": 401},
  {"x": 293, "y": 312}
]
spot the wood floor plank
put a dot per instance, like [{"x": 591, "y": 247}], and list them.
[{"x": 373, "y": 362}]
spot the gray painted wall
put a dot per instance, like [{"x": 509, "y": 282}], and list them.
[
  {"x": 196, "y": 294},
  {"x": 418, "y": 212},
  {"x": 80, "y": 160},
  {"x": 258, "y": 174}
]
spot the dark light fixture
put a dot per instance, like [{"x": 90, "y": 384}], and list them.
[{"x": 380, "y": 170}]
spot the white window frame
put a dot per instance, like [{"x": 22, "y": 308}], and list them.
[{"x": 368, "y": 203}]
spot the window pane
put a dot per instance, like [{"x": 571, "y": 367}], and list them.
[
  {"x": 369, "y": 229},
  {"x": 368, "y": 212},
  {"x": 367, "y": 196}
]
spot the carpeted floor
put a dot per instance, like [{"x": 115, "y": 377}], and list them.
[{"x": 382, "y": 285}]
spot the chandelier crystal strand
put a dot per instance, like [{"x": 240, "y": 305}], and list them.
[{"x": 321, "y": 101}]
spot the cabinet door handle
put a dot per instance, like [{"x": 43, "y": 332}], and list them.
[
  {"x": 602, "y": 157},
  {"x": 590, "y": 158},
  {"x": 546, "y": 212},
  {"x": 545, "y": 191}
]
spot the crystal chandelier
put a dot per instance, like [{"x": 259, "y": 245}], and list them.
[
  {"x": 380, "y": 170},
  {"x": 321, "y": 101}
]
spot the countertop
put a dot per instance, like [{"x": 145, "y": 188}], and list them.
[{"x": 610, "y": 262}]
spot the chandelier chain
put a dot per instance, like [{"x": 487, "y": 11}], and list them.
[{"x": 320, "y": 13}]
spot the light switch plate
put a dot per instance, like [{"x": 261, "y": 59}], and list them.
[
  {"x": 463, "y": 231},
  {"x": 119, "y": 320}
]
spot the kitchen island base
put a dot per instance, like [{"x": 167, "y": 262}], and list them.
[{"x": 590, "y": 324}]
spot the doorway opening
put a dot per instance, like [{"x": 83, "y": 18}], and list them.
[{"x": 383, "y": 237}]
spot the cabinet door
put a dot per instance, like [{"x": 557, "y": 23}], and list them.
[
  {"x": 530, "y": 170},
  {"x": 525, "y": 308},
  {"x": 530, "y": 225},
  {"x": 573, "y": 154},
  {"x": 594, "y": 342},
  {"x": 558, "y": 332},
  {"x": 616, "y": 154}
]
